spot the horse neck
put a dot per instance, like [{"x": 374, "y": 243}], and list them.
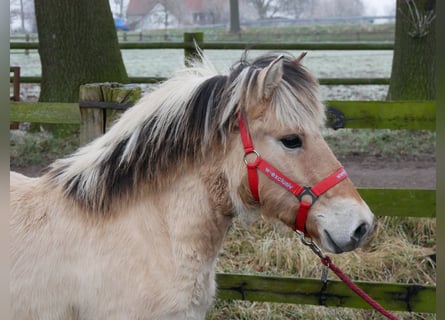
[{"x": 196, "y": 211}]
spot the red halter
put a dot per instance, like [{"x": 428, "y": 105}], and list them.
[{"x": 273, "y": 173}]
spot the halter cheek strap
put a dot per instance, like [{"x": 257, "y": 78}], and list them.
[{"x": 274, "y": 174}]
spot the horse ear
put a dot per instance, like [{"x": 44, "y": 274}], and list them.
[
  {"x": 300, "y": 57},
  {"x": 269, "y": 78}
]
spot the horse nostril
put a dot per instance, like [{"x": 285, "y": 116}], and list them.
[{"x": 360, "y": 232}]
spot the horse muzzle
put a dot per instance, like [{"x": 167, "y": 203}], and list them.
[{"x": 345, "y": 230}]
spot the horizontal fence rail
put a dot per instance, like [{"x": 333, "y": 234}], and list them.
[
  {"x": 45, "y": 112},
  {"x": 322, "y": 81},
  {"x": 392, "y": 296},
  {"x": 236, "y": 45},
  {"x": 400, "y": 202},
  {"x": 412, "y": 115}
]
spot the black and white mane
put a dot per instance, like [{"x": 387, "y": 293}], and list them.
[{"x": 182, "y": 121}]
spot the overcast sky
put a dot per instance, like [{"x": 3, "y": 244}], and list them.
[
  {"x": 373, "y": 7},
  {"x": 379, "y": 7}
]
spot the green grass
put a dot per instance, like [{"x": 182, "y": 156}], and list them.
[
  {"x": 385, "y": 143},
  {"x": 39, "y": 148}
]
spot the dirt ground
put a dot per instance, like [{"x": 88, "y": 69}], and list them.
[
  {"x": 409, "y": 174},
  {"x": 363, "y": 171}
]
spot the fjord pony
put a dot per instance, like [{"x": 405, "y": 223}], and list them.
[{"x": 129, "y": 226}]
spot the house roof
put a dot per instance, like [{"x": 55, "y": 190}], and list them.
[
  {"x": 194, "y": 5},
  {"x": 142, "y": 7}
]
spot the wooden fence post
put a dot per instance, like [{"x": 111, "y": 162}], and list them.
[
  {"x": 101, "y": 104},
  {"x": 16, "y": 91},
  {"x": 27, "y": 40},
  {"x": 190, "y": 51}
]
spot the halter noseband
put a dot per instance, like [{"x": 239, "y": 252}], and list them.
[{"x": 273, "y": 173}]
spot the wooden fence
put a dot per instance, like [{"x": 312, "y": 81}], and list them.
[
  {"x": 188, "y": 46},
  {"x": 92, "y": 116}
]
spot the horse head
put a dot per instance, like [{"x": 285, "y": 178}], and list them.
[{"x": 291, "y": 172}]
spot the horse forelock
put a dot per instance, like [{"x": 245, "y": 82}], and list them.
[
  {"x": 295, "y": 102},
  {"x": 185, "y": 119}
]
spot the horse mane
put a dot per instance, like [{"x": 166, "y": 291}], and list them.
[{"x": 179, "y": 123}]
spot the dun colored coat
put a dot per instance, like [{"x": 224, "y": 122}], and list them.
[{"x": 129, "y": 226}]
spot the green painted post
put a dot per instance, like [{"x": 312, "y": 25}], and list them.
[{"x": 190, "y": 50}]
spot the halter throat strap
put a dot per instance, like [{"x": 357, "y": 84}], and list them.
[{"x": 258, "y": 163}]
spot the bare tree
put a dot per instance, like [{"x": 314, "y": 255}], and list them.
[
  {"x": 342, "y": 8},
  {"x": 120, "y": 3},
  {"x": 176, "y": 8},
  {"x": 234, "y": 17},
  {"x": 22, "y": 15},
  {"x": 296, "y": 8},
  {"x": 219, "y": 10},
  {"x": 24, "y": 11},
  {"x": 301, "y": 8},
  {"x": 265, "y": 8}
]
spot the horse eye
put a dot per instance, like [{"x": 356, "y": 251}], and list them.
[{"x": 292, "y": 141}]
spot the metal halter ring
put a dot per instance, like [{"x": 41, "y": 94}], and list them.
[{"x": 248, "y": 153}]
